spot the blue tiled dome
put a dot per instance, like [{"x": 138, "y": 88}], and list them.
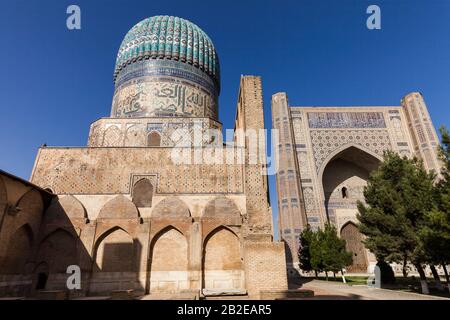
[{"x": 169, "y": 38}]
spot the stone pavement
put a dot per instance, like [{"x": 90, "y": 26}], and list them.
[{"x": 330, "y": 290}]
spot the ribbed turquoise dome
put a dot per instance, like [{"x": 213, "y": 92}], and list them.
[{"x": 170, "y": 38}]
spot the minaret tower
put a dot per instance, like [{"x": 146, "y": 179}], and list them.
[{"x": 423, "y": 134}]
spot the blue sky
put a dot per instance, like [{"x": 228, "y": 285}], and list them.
[{"x": 54, "y": 82}]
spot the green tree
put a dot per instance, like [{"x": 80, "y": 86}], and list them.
[
  {"x": 335, "y": 257},
  {"x": 326, "y": 250},
  {"x": 398, "y": 196},
  {"x": 304, "y": 255},
  {"x": 317, "y": 251},
  {"x": 435, "y": 233}
]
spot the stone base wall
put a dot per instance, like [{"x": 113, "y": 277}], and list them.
[{"x": 265, "y": 266}]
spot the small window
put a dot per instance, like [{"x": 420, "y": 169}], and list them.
[
  {"x": 154, "y": 139},
  {"x": 344, "y": 193},
  {"x": 143, "y": 193}
]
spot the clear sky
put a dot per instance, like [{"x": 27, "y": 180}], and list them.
[{"x": 54, "y": 82}]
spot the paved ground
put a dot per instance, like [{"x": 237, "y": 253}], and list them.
[{"x": 324, "y": 290}]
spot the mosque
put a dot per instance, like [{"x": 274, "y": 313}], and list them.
[
  {"x": 129, "y": 215},
  {"x": 137, "y": 221},
  {"x": 325, "y": 157}
]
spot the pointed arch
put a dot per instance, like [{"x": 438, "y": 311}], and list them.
[
  {"x": 167, "y": 273},
  {"x": 107, "y": 233},
  {"x": 59, "y": 249},
  {"x": 171, "y": 207},
  {"x": 223, "y": 266},
  {"x": 142, "y": 195},
  {"x": 165, "y": 229},
  {"x": 31, "y": 201},
  {"x": 119, "y": 207},
  {"x": 215, "y": 230},
  {"x": 344, "y": 177},
  {"x": 340, "y": 150},
  {"x": 114, "y": 251},
  {"x": 346, "y": 224},
  {"x": 353, "y": 238},
  {"x": 221, "y": 206},
  {"x": 66, "y": 207},
  {"x": 18, "y": 251}
]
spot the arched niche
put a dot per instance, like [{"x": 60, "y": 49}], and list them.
[
  {"x": 143, "y": 193},
  {"x": 58, "y": 250},
  {"x": 114, "y": 252},
  {"x": 169, "y": 262},
  {"x": 353, "y": 239},
  {"x": 153, "y": 139},
  {"x": 344, "y": 177},
  {"x": 223, "y": 267},
  {"x": 18, "y": 251}
]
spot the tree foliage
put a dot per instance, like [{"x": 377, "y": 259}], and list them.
[
  {"x": 399, "y": 194},
  {"x": 323, "y": 250},
  {"x": 399, "y": 200},
  {"x": 435, "y": 232},
  {"x": 306, "y": 238}
]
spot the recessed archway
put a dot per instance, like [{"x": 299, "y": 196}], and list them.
[
  {"x": 353, "y": 239},
  {"x": 114, "y": 252},
  {"x": 344, "y": 178},
  {"x": 222, "y": 262},
  {"x": 116, "y": 262},
  {"x": 19, "y": 250},
  {"x": 169, "y": 262},
  {"x": 58, "y": 250},
  {"x": 143, "y": 193}
]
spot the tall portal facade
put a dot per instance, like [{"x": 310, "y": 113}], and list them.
[
  {"x": 325, "y": 156},
  {"x": 141, "y": 207}
]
